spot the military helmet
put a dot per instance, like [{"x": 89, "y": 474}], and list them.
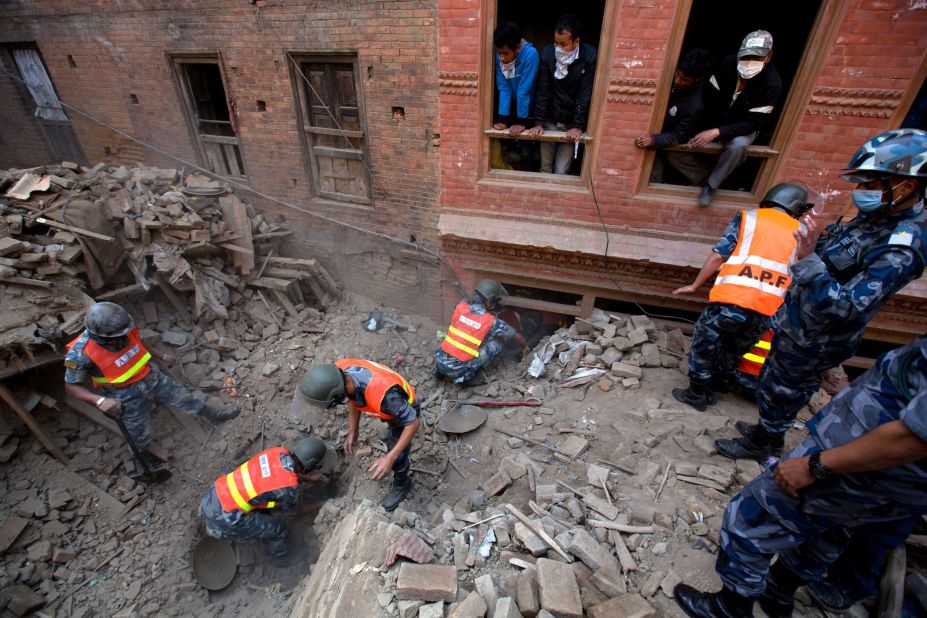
[
  {"x": 322, "y": 386},
  {"x": 901, "y": 152},
  {"x": 309, "y": 452},
  {"x": 108, "y": 320},
  {"x": 491, "y": 290},
  {"x": 791, "y": 196}
]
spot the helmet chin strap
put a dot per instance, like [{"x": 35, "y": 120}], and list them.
[{"x": 888, "y": 188}]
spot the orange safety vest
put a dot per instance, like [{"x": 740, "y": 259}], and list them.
[
  {"x": 258, "y": 475},
  {"x": 756, "y": 276},
  {"x": 466, "y": 332},
  {"x": 121, "y": 368},
  {"x": 752, "y": 361},
  {"x": 383, "y": 379}
]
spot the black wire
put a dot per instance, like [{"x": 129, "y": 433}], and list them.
[{"x": 609, "y": 273}]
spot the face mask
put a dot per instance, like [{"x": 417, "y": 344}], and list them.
[
  {"x": 748, "y": 69},
  {"x": 867, "y": 200},
  {"x": 870, "y": 200}
]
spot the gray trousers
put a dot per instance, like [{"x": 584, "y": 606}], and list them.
[
  {"x": 556, "y": 156},
  {"x": 695, "y": 167}
]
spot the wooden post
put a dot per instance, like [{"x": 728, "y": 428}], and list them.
[{"x": 34, "y": 427}]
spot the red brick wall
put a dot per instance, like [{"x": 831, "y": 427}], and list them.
[
  {"x": 122, "y": 47},
  {"x": 876, "y": 53}
]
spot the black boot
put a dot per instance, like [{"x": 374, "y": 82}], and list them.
[
  {"x": 156, "y": 471},
  {"x": 397, "y": 493},
  {"x": 220, "y": 415},
  {"x": 748, "y": 430},
  {"x": 778, "y": 600},
  {"x": 723, "y": 604},
  {"x": 697, "y": 395},
  {"x": 830, "y": 597}
]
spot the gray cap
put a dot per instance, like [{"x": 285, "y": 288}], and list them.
[{"x": 757, "y": 43}]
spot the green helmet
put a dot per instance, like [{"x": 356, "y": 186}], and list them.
[
  {"x": 491, "y": 290},
  {"x": 791, "y": 196},
  {"x": 309, "y": 452},
  {"x": 108, "y": 320},
  {"x": 322, "y": 386},
  {"x": 901, "y": 152}
]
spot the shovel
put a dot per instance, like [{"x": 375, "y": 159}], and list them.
[{"x": 158, "y": 476}]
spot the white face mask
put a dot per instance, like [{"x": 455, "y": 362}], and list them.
[{"x": 748, "y": 69}]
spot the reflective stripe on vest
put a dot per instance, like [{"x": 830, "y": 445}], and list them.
[
  {"x": 260, "y": 474},
  {"x": 756, "y": 276},
  {"x": 382, "y": 379},
  {"x": 752, "y": 362},
  {"x": 127, "y": 366},
  {"x": 466, "y": 332}
]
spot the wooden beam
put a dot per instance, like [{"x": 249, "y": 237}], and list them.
[
  {"x": 541, "y": 305},
  {"x": 33, "y": 426},
  {"x": 74, "y": 230},
  {"x": 179, "y": 307}
]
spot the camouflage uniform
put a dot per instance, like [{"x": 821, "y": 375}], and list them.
[
  {"x": 835, "y": 292},
  {"x": 459, "y": 371},
  {"x": 810, "y": 532},
  {"x": 395, "y": 403},
  {"x": 137, "y": 398},
  {"x": 238, "y": 525},
  {"x": 723, "y": 332}
]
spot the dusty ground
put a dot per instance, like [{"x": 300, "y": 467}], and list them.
[{"x": 641, "y": 430}]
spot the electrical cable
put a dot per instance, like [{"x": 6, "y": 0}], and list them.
[
  {"x": 608, "y": 272},
  {"x": 437, "y": 259}
]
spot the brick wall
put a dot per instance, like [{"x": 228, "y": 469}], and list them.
[
  {"x": 123, "y": 47},
  {"x": 876, "y": 52}
]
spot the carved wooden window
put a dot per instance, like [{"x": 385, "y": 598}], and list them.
[{"x": 801, "y": 31}]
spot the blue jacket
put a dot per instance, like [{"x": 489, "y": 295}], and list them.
[{"x": 521, "y": 87}]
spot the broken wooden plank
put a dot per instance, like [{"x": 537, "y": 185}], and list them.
[
  {"x": 538, "y": 530},
  {"x": 624, "y": 555},
  {"x": 293, "y": 262},
  {"x": 611, "y": 525},
  {"x": 33, "y": 426},
  {"x": 285, "y": 302},
  {"x": 609, "y": 511},
  {"x": 271, "y": 283},
  {"x": 703, "y": 482},
  {"x": 180, "y": 307},
  {"x": 329, "y": 282},
  {"x": 74, "y": 230},
  {"x": 9, "y": 245},
  {"x": 891, "y": 586},
  {"x": 36, "y": 283},
  {"x": 128, "y": 290},
  {"x": 236, "y": 218}
]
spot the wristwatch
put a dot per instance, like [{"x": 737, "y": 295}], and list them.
[{"x": 817, "y": 469}]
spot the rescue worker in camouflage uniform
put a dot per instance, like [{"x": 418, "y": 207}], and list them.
[
  {"x": 475, "y": 337},
  {"x": 751, "y": 265},
  {"x": 234, "y": 506},
  {"x": 864, "y": 463},
  {"x": 839, "y": 282},
  {"x": 111, "y": 355},
  {"x": 379, "y": 392}
]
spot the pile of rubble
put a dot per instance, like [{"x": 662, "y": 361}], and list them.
[{"x": 69, "y": 229}]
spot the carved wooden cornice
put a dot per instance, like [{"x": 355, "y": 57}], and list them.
[
  {"x": 906, "y": 312},
  {"x": 858, "y": 102},
  {"x": 457, "y": 82},
  {"x": 632, "y": 90}
]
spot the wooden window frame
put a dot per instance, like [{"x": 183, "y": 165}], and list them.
[
  {"x": 821, "y": 38},
  {"x": 185, "y": 97},
  {"x": 294, "y": 60},
  {"x": 486, "y": 89}
]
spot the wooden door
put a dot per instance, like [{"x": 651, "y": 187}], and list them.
[
  {"x": 207, "y": 106},
  {"x": 334, "y": 131}
]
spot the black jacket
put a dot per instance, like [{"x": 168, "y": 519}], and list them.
[
  {"x": 565, "y": 100},
  {"x": 683, "y": 117},
  {"x": 743, "y": 117}
]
